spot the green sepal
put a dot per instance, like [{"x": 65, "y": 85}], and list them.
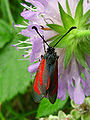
[
  {"x": 67, "y": 20},
  {"x": 79, "y": 54},
  {"x": 85, "y": 18},
  {"x": 66, "y": 41},
  {"x": 55, "y": 41},
  {"x": 53, "y": 38},
  {"x": 68, "y": 55},
  {"x": 82, "y": 33},
  {"x": 57, "y": 28},
  {"x": 68, "y": 8},
  {"x": 85, "y": 46},
  {"x": 79, "y": 12},
  {"x": 87, "y": 26}
]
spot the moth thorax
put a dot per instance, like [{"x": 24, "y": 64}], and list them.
[
  {"x": 51, "y": 58},
  {"x": 50, "y": 50}
]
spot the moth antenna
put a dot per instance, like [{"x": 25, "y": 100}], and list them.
[
  {"x": 35, "y": 28},
  {"x": 65, "y": 34}
]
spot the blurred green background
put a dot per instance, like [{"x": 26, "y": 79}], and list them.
[{"x": 16, "y": 101}]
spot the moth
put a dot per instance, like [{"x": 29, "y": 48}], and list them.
[{"x": 46, "y": 80}]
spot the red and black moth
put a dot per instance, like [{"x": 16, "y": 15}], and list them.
[{"x": 46, "y": 80}]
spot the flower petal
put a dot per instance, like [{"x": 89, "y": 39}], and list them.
[
  {"x": 75, "y": 91},
  {"x": 37, "y": 46},
  {"x": 33, "y": 68},
  {"x": 78, "y": 93},
  {"x": 62, "y": 87},
  {"x": 87, "y": 85},
  {"x": 37, "y": 4},
  {"x": 28, "y": 14}
]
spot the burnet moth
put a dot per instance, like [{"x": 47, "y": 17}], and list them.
[{"x": 46, "y": 80}]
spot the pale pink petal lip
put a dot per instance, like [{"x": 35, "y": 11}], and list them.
[
  {"x": 37, "y": 44},
  {"x": 28, "y": 14},
  {"x": 78, "y": 93},
  {"x": 33, "y": 68}
]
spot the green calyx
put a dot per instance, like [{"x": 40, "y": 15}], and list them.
[{"x": 78, "y": 40}]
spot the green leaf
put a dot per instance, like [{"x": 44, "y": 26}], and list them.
[
  {"x": 46, "y": 108},
  {"x": 68, "y": 55},
  {"x": 82, "y": 33},
  {"x": 5, "y": 33},
  {"x": 79, "y": 12},
  {"x": 80, "y": 56},
  {"x": 14, "y": 75},
  {"x": 57, "y": 28},
  {"x": 85, "y": 18},
  {"x": 68, "y": 8},
  {"x": 67, "y": 20}
]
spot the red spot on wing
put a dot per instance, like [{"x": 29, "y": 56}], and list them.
[
  {"x": 39, "y": 76},
  {"x": 48, "y": 82},
  {"x": 42, "y": 65},
  {"x": 36, "y": 84},
  {"x": 55, "y": 82},
  {"x": 55, "y": 89},
  {"x": 56, "y": 73}
]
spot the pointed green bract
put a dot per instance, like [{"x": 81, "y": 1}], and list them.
[
  {"x": 57, "y": 28},
  {"x": 80, "y": 56},
  {"x": 79, "y": 12},
  {"x": 53, "y": 38},
  {"x": 67, "y": 20},
  {"x": 68, "y": 8},
  {"x": 68, "y": 55},
  {"x": 85, "y": 18},
  {"x": 85, "y": 46},
  {"x": 55, "y": 41},
  {"x": 66, "y": 41}
]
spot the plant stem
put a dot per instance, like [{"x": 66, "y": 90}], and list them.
[{"x": 11, "y": 20}]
